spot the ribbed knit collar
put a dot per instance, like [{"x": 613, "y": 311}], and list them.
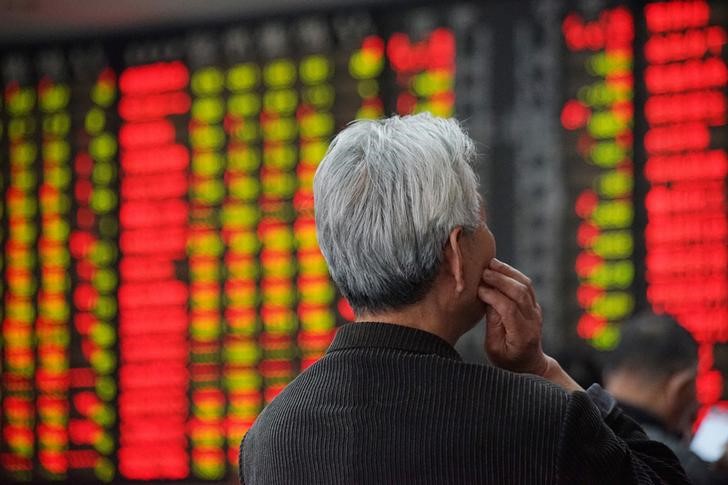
[{"x": 391, "y": 336}]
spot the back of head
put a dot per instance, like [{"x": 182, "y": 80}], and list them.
[
  {"x": 387, "y": 194},
  {"x": 653, "y": 346}
]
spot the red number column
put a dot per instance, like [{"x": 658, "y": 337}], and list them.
[
  {"x": 602, "y": 116},
  {"x": 241, "y": 214},
  {"x": 54, "y": 310},
  {"x": 94, "y": 255},
  {"x": 687, "y": 228},
  {"x": 18, "y": 357},
  {"x": 425, "y": 72},
  {"x": 153, "y": 297}
]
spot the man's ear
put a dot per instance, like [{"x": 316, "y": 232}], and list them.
[
  {"x": 454, "y": 258},
  {"x": 680, "y": 394}
]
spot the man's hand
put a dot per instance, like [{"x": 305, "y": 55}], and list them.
[{"x": 513, "y": 325}]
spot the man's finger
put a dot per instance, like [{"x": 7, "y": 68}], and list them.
[
  {"x": 515, "y": 290},
  {"x": 501, "y": 267}
]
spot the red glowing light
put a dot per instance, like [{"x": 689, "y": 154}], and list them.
[
  {"x": 171, "y": 185},
  {"x": 345, "y": 310},
  {"x": 574, "y": 115},
  {"x": 406, "y": 103},
  {"x": 667, "y": 16},
  {"x": 678, "y": 46},
  {"x": 586, "y": 203},
  {"x": 707, "y": 106},
  {"x": 149, "y": 107},
  {"x": 158, "y": 160},
  {"x": 690, "y": 75},
  {"x": 153, "y": 293},
  {"x": 438, "y": 51},
  {"x": 587, "y": 263},
  {"x": 169, "y": 241},
  {"x": 154, "y": 78},
  {"x": 374, "y": 45},
  {"x": 676, "y": 138},
  {"x": 712, "y": 164},
  {"x": 140, "y": 214},
  {"x": 589, "y": 325},
  {"x": 137, "y": 135}
]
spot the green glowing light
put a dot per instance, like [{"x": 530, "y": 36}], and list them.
[
  {"x": 365, "y": 65},
  {"x": 19, "y": 128},
  {"x": 606, "y": 338},
  {"x": 320, "y": 96},
  {"x": 207, "y": 137},
  {"x": 56, "y": 150},
  {"x": 315, "y": 69},
  {"x": 103, "y": 361},
  {"x": 58, "y": 176},
  {"x": 243, "y": 77},
  {"x": 210, "y": 191},
  {"x": 95, "y": 121},
  {"x": 282, "y": 157},
  {"x": 244, "y": 105},
  {"x": 283, "y": 101},
  {"x": 279, "y": 73},
  {"x": 317, "y": 125},
  {"x": 103, "y": 334},
  {"x": 604, "y": 63},
  {"x": 23, "y": 154},
  {"x": 613, "y": 305},
  {"x": 208, "y": 163},
  {"x": 245, "y": 159},
  {"x": 103, "y": 173},
  {"x": 209, "y": 110},
  {"x": 615, "y": 184},
  {"x": 103, "y": 253},
  {"x": 240, "y": 215},
  {"x": 103, "y": 94},
  {"x": 616, "y": 274},
  {"x": 106, "y": 387},
  {"x": 614, "y": 214},
  {"x": 103, "y": 146},
  {"x": 209, "y": 80},
  {"x": 106, "y": 307},
  {"x": 104, "y": 415},
  {"x": 604, "y": 124},
  {"x": 57, "y": 124},
  {"x": 244, "y": 188},
  {"x": 614, "y": 244},
  {"x": 607, "y": 154},
  {"x": 22, "y": 102},
  {"x": 104, "y": 469},
  {"x": 104, "y": 444},
  {"x": 103, "y": 200}
]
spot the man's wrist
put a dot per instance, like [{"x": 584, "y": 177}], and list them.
[{"x": 555, "y": 374}]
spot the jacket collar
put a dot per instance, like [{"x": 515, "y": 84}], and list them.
[{"x": 390, "y": 336}]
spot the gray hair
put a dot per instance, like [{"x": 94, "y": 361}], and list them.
[{"x": 387, "y": 194}]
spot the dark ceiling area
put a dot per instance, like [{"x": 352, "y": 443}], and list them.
[{"x": 24, "y": 21}]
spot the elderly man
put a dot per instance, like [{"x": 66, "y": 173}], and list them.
[{"x": 402, "y": 227}]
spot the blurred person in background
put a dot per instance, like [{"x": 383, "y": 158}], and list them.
[
  {"x": 652, "y": 375},
  {"x": 401, "y": 224}
]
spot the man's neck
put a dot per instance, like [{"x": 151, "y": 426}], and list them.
[
  {"x": 422, "y": 316},
  {"x": 638, "y": 394}
]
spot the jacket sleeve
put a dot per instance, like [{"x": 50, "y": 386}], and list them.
[{"x": 613, "y": 449}]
